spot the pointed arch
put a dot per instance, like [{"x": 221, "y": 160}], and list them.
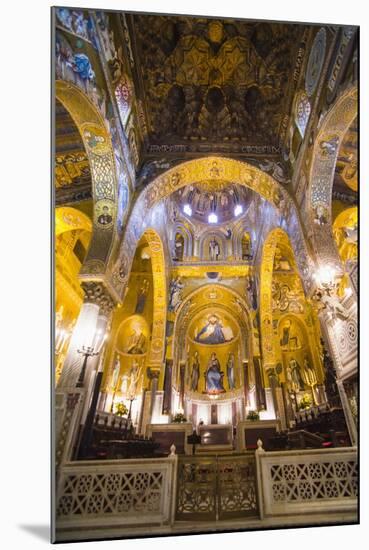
[
  {"x": 266, "y": 275},
  {"x": 201, "y": 170},
  {"x": 154, "y": 354},
  {"x": 219, "y": 236},
  {"x": 313, "y": 350},
  {"x": 157, "y": 347},
  {"x": 99, "y": 149},
  {"x": 239, "y": 230},
  {"x": 319, "y": 203},
  {"x": 69, "y": 219},
  {"x": 187, "y": 233},
  {"x": 237, "y": 309}
]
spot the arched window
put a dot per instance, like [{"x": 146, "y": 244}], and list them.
[
  {"x": 213, "y": 247},
  {"x": 179, "y": 247},
  {"x": 302, "y": 112},
  {"x": 246, "y": 247}
]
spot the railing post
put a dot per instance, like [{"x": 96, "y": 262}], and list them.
[
  {"x": 172, "y": 487},
  {"x": 350, "y": 423},
  {"x": 259, "y": 477}
]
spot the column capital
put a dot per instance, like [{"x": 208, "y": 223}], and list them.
[
  {"x": 153, "y": 373},
  {"x": 96, "y": 293}
]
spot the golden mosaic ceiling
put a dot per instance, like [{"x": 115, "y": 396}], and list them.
[
  {"x": 72, "y": 169},
  {"x": 217, "y": 81},
  {"x": 220, "y": 198}
]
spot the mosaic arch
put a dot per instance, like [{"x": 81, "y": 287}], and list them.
[
  {"x": 156, "y": 353},
  {"x": 310, "y": 348},
  {"x": 219, "y": 290},
  {"x": 206, "y": 237},
  {"x": 70, "y": 219},
  {"x": 326, "y": 148},
  {"x": 275, "y": 237},
  {"x": 240, "y": 230},
  {"x": 98, "y": 146},
  {"x": 186, "y": 231},
  {"x": 222, "y": 297},
  {"x": 204, "y": 170}
]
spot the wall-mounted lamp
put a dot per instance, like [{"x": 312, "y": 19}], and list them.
[
  {"x": 90, "y": 351},
  {"x": 327, "y": 281},
  {"x": 326, "y": 278}
]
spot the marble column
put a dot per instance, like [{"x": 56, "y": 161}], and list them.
[
  {"x": 246, "y": 382},
  {"x": 153, "y": 375},
  {"x": 350, "y": 422},
  {"x": 290, "y": 415},
  {"x": 95, "y": 364},
  {"x": 259, "y": 387},
  {"x": 72, "y": 398},
  {"x": 93, "y": 386},
  {"x": 83, "y": 335},
  {"x": 196, "y": 247},
  {"x": 182, "y": 368},
  {"x": 167, "y": 398},
  {"x": 277, "y": 396},
  {"x": 332, "y": 383}
]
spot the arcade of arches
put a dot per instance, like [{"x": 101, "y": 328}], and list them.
[{"x": 205, "y": 236}]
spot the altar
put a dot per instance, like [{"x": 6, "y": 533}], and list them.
[
  {"x": 226, "y": 408},
  {"x": 166, "y": 435},
  {"x": 215, "y": 437},
  {"x": 249, "y": 431}
]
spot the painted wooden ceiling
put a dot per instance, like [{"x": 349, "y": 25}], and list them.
[{"x": 214, "y": 85}]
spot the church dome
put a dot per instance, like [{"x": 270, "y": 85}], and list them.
[{"x": 213, "y": 202}]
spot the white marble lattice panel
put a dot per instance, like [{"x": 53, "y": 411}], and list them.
[
  {"x": 116, "y": 492},
  {"x": 315, "y": 481}
]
